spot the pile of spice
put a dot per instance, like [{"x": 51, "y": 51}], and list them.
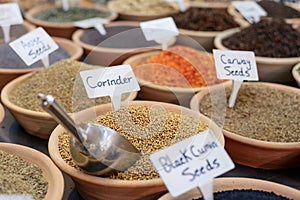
[
  {"x": 246, "y": 194},
  {"x": 61, "y": 80},
  {"x": 278, "y": 10},
  {"x": 148, "y": 129},
  {"x": 260, "y": 112},
  {"x": 267, "y": 38},
  {"x": 16, "y": 31},
  {"x": 117, "y": 37},
  {"x": 17, "y": 176},
  {"x": 205, "y": 19},
  {"x": 144, "y": 7},
  {"x": 58, "y": 14},
  {"x": 178, "y": 66},
  {"x": 10, "y": 59}
]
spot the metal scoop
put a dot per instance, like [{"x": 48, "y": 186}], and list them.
[{"x": 96, "y": 149}]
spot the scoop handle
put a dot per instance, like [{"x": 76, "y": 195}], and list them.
[{"x": 57, "y": 111}]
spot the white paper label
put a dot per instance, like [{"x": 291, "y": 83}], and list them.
[
  {"x": 159, "y": 28},
  {"x": 235, "y": 65},
  {"x": 250, "y": 10},
  {"x": 193, "y": 162},
  {"x": 34, "y": 46},
  {"x": 180, "y": 4},
  {"x": 16, "y": 197},
  {"x": 10, "y": 14},
  {"x": 110, "y": 81},
  {"x": 89, "y": 23}
]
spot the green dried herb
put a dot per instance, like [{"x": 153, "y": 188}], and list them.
[
  {"x": 71, "y": 15},
  {"x": 17, "y": 176}
]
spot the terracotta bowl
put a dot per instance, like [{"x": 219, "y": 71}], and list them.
[
  {"x": 74, "y": 50},
  {"x": 64, "y": 30},
  {"x": 257, "y": 153},
  {"x": 2, "y": 113},
  {"x": 276, "y": 70},
  {"x": 228, "y": 184},
  {"x": 296, "y": 73},
  {"x": 109, "y": 56},
  {"x": 94, "y": 187},
  {"x": 138, "y": 16},
  {"x": 39, "y": 124},
  {"x": 154, "y": 92},
  {"x": 206, "y": 38},
  {"x": 49, "y": 169}
]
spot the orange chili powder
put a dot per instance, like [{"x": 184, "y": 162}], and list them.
[{"x": 179, "y": 66}]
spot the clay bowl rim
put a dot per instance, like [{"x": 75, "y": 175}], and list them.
[
  {"x": 161, "y": 87},
  {"x": 194, "y": 104},
  {"x": 127, "y": 15},
  {"x": 56, "y": 182},
  {"x": 60, "y": 41},
  {"x": 2, "y": 113},
  {"x": 231, "y": 183},
  {"x": 29, "y": 15},
  {"x": 296, "y": 74},
  {"x": 91, "y": 48},
  {"x": 259, "y": 59},
  {"x": 19, "y": 110},
  {"x": 78, "y": 175}
]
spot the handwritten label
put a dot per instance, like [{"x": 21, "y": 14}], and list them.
[
  {"x": 250, "y": 10},
  {"x": 235, "y": 65},
  {"x": 10, "y": 14},
  {"x": 34, "y": 46},
  {"x": 96, "y": 22},
  {"x": 110, "y": 81},
  {"x": 191, "y": 162},
  {"x": 16, "y": 197}
]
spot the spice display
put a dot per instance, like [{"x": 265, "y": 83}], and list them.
[
  {"x": 17, "y": 176},
  {"x": 144, "y": 7},
  {"x": 278, "y": 10},
  {"x": 10, "y": 59},
  {"x": 62, "y": 81},
  {"x": 268, "y": 38},
  {"x": 73, "y": 14},
  {"x": 246, "y": 194},
  {"x": 178, "y": 66},
  {"x": 117, "y": 37},
  {"x": 148, "y": 129},
  {"x": 16, "y": 31},
  {"x": 205, "y": 19},
  {"x": 260, "y": 112}
]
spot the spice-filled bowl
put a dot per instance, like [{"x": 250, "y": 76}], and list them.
[
  {"x": 262, "y": 129},
  {"x": 202, "y": 22},
  {"x": 60, "y": 23},
  {"x": 149, "y": 126},
  {"x": 296, "y": 73},
  {"x": 39, "y": 177},
  {"x": 274, "y": 57},
  {"x": 61, "y": 80},
  {"x": 142, "y": 10},
  {"x": 122, "y": 40},
  {"x": 12, "y": 66},
  {"x": 241, "y": 188},
  {"x": 173, "y": 75}
]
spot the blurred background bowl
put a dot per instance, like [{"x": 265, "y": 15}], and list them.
[
  {"x": 253, "y": 152},
  {"x": 95, "y": 187},
  {"x": 63, "y": 29},
  {"x": 236, "y": 184},
  {"x": 49, "y": 170}
]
